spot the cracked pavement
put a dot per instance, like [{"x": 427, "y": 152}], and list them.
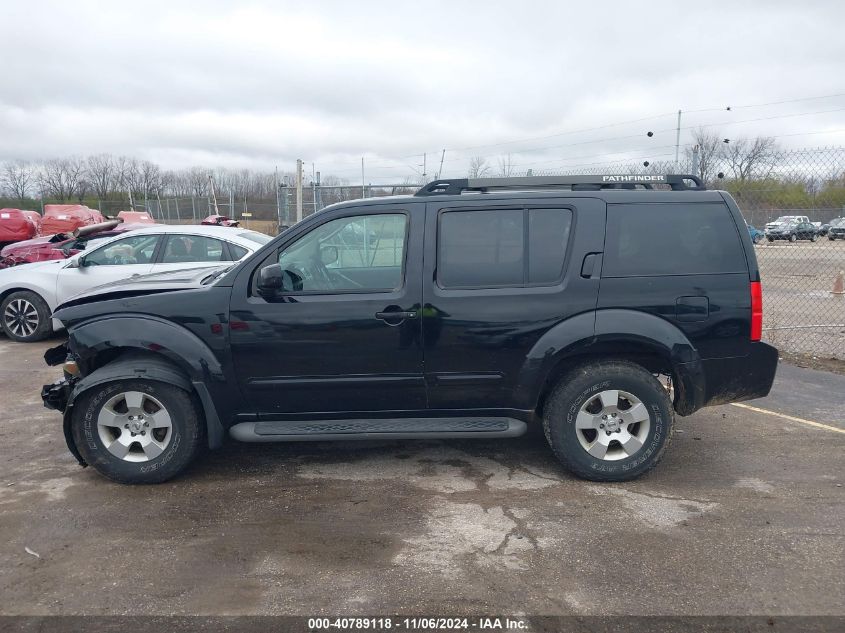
[{"x": 743, "y": 516}]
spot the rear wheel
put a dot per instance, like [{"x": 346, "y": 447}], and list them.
[
  {"x": 609, "y": 421},
  {"x": 26, "y": 317},
  {"x": 813, "y": 238},
  {"x": 137, "y": 431},
  {"x": 793, "y": 238},
  {"x": 771, "y": 239}
]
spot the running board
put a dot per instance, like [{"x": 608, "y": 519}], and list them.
[{"x": 391, "y": 429}]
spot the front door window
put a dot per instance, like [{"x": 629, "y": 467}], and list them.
[{"x": 365, "y": 253}]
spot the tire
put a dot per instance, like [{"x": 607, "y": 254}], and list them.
[
  {"x": 771, "y": 239},
  {"x": 577, "y": 396},
  {"x": 793, "y": 238},
  {"x": 26, "y": 317},
  {"x": 160, "y": 452},
  {"x": 758, "y": 239},
  {"x": 831, "y": 238},
  {"x": 814, "y": 238}
]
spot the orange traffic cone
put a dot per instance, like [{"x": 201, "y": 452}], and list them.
[{"x": 839, "y": 284}]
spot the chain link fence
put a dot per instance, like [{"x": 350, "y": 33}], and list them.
[{"x": 801, "y": 266}]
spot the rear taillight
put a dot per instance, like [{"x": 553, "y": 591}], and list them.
[{"x": 756, "y": 311}]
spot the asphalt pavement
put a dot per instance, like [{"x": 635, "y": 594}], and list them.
[{"x": 744, "y": 516}]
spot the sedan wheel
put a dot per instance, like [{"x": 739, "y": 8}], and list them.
[
  {"x": 26, "y": 317},
  {"x": 21, "y": 317}
]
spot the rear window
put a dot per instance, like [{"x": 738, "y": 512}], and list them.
[
  {"x": 502, "y": 247},
  {"x": 255, "y": 236},
  {"x": 671, "y": 239}
]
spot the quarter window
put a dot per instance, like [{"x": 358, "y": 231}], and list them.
[
  {"x": 502, "y": 247},
  {"x": 671, "y": 239}
]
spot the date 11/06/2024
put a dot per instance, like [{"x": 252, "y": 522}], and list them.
[{"x": 417, "y": 623}]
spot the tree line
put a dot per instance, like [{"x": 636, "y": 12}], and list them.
[{"x": 107, "y": 177}]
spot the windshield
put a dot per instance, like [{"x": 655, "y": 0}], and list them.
[{"x": 837, "y": 222}]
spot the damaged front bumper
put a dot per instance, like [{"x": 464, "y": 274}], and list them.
[{"x": 56, "y": 396}]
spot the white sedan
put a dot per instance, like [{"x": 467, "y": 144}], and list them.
[{"x": 30, "y": 292}]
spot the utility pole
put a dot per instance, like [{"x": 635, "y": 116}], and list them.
[
  {"x": 695, "y": 160},
  {"x": 213, "y": 194},
  {"x": 363, "y": 181},
  {"x": 314, "y": 187},
  {"x": 278, "y": 202},
  {"x": 318, "y": 196},
  {"x": 440, "y": 171},
  {"x": 677, "y": 141},
  {"x": 298, "y": 189},
  {"x": 424, "y": 169}
]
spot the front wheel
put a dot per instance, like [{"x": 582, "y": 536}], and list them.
[
  {"x": 26, "y": 317},
  {"x": 758, "y": 239},
  {"x": 609, "y": 421},
  {"x": 137, "y": 431},
  {"x": 813, "y": 238},
  {"x": 793, "y": 238},
  {"x": 771, "y": 239}
]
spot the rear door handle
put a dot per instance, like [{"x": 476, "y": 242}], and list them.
[{"x": 589, "y": 270}]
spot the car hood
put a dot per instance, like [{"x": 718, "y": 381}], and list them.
[
  {"x": 36, "y": 242},
  {"x": 22, "y": 270},
  {"x": 154, "y": 283}
]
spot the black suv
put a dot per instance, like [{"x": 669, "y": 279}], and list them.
[
  {"x": 476, "y": 307},
  {"x": 794, "y": 231}
]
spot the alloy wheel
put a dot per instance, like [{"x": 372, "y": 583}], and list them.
[
  {"x": 134, "y": 426},
  {"x": 612, "y": 425},
  {"x": 21, "y": 318}
]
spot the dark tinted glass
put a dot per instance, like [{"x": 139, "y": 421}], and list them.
[
  {"x": 548, "y": 232},
  {"x": 237, "y": 252},
  {"x": 671, "y": 239},
  {"x": 481, "y": 249}
]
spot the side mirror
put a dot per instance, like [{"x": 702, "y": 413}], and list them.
[
  {"x": 75, "y": 263},
  {"x": 328, "y": 255},
  {"x": 273, "y": 279},
  {"x": 270, "y": 279}
]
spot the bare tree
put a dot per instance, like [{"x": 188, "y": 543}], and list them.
[
  {"x": 747, "y": 157},
  {"x": 709, "y": 145},
  {"x": 478, "y": 167},
  {"x": 19, "y": 178},
  {"x": 505, "y": 166},
  {"x": 64, "y": 178},
  {"x": 198, "y": 181},
  {"x": 101, "y": 172}
]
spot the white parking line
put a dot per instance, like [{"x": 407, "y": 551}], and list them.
[{"x": 819, "y": 425}]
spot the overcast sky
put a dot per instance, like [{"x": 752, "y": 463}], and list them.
[{"x": 258, "y": 84}]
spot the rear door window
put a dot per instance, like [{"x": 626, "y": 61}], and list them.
[
  {"x": 493, "y": 248},
  {"x": 671, "y": 239}
]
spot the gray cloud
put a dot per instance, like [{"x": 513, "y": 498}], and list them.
[{"x": 253, "y": 85}]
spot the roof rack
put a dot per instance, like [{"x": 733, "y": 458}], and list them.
[{"x": 456, "y": 186}]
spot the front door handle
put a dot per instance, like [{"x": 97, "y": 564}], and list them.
[{"x": 398, "y": 315}]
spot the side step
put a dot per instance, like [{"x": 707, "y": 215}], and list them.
[{"x": 391, "y": 429}]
